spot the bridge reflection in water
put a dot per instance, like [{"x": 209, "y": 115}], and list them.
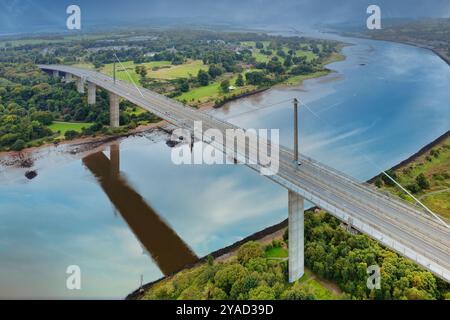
[{"x": 167, "y": 249}]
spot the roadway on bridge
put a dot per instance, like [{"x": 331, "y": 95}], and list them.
[{"x": 398, "y": 225}]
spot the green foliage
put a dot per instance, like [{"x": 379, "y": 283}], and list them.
[
  {"x": 298, "y": 292},
  {"x": 240, "y": 80},
  {"x": 262, "y": 292},
  {"x": 203, "y": 78},
  {"x": 225, "y": 86},
  {"x": 249, "y": 250},
  {"x": 18, "y": 145},
  {"x": 336, "y": 254},
  {"x": 71, "y": 134},
  {"x": 379, "y": 182},
  {"x": 422, "y": 181},
  {"x": 226, "y": 277}
]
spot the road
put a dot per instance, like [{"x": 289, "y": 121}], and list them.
[{"x": 398, "y": 225}]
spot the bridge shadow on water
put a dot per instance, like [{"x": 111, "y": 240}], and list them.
[{"x": 167, "y": 249}]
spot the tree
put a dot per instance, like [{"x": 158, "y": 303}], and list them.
[
  {"x": 215, "y": 71},
  {"x": 44, "y": 117},
  {"x": 203, "y": 78},
  {"x": 422, "y": 181},
  {"x": 226, "y": 277},
  {"x": 241, "y": 288},
  {"x": 70, "y": 134},
  {"x": 183, "y": 85},
  {"x": 249, "y": 250},
  {"x": 288, "y": 61},
  {"x": 298, "y": 292},
  {"x": 262, "y": 292},
  {"x": 255, "y": 77},
  {"x": 18, "y": 145},
  {"x": 378, "y": 182},
  {"x": 225, "y": 86},
  {"x": 259, "y": 45},
  {"x": 240, "y": 80}
]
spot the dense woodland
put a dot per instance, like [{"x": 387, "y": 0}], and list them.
[
  {"x": 30, "y": 101},
  {"x": 330, "y": 252}
]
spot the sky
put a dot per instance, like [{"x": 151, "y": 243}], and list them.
[{"x": 43, "y": 15}]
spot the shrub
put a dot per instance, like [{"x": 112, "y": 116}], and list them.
[
  {"x": 18, "y": 145},
  {"x": 422, "y": 181},
  {"x": 262, "y": 292},
  {"x": 70, "y": 135},
  {"x": 296, "y": 292},
  {"x": 249, "y": 250},
  {"x": 227, "y": 276}
]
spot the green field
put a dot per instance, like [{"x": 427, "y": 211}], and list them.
[
  {"x": 185, "y": 70},
  {"x": 162, "y": 70},
  {"x": 276, "y": 252},
  {"x": 213, "y": 91},
  {"x": 63, "y": 127}
]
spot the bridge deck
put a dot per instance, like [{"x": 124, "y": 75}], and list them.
[{"x": 396, "y": 224}]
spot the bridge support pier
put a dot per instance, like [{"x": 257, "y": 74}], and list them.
[
  {"x": 296, "y": 236},
  {"x": 55, "y": 73},
  {"x": 80, "y": 85},
  {"x": 114, "y": 110},
  {"x": 68, "y": 77},
  {"x": 91, "y": 93}
]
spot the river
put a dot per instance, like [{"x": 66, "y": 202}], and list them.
[{"x": 131, "y": 212}]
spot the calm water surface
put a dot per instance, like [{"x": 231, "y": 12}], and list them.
[{"x": 131, "y": 212}]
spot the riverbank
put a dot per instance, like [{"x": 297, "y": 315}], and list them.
[
  {"x": 276, "y": 231},
  {"x": 412, "y": 43},
  {"x": 99, "y": 139},
  {"x": 437, "y": 52}
]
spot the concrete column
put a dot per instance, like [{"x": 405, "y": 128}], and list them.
[
  {"x": 56, "y": 73},
  {"x": 114, "y": 110},
  {"x": 91, "y": 93},
  {"x": 80, "y": 85},
  {"x": 296, "y": 236},
  {"x": 114, "y": 160},
  {"x": 68, "y": 77}
]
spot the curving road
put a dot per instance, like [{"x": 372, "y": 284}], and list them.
[{"x": 398, "y": 225}]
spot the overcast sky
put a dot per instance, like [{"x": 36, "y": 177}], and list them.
[{"x": 39, "y": 15}]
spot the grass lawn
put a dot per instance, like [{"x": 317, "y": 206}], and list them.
[
  {"x": 210, "y": 91},
  {"x": 185, "y": 70},
  {"x": 62, "y": 127},
  {"x": 276, "y": 252},
  {"x": 213, "y": 91},
  {"x": 162, "y": 70}
]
